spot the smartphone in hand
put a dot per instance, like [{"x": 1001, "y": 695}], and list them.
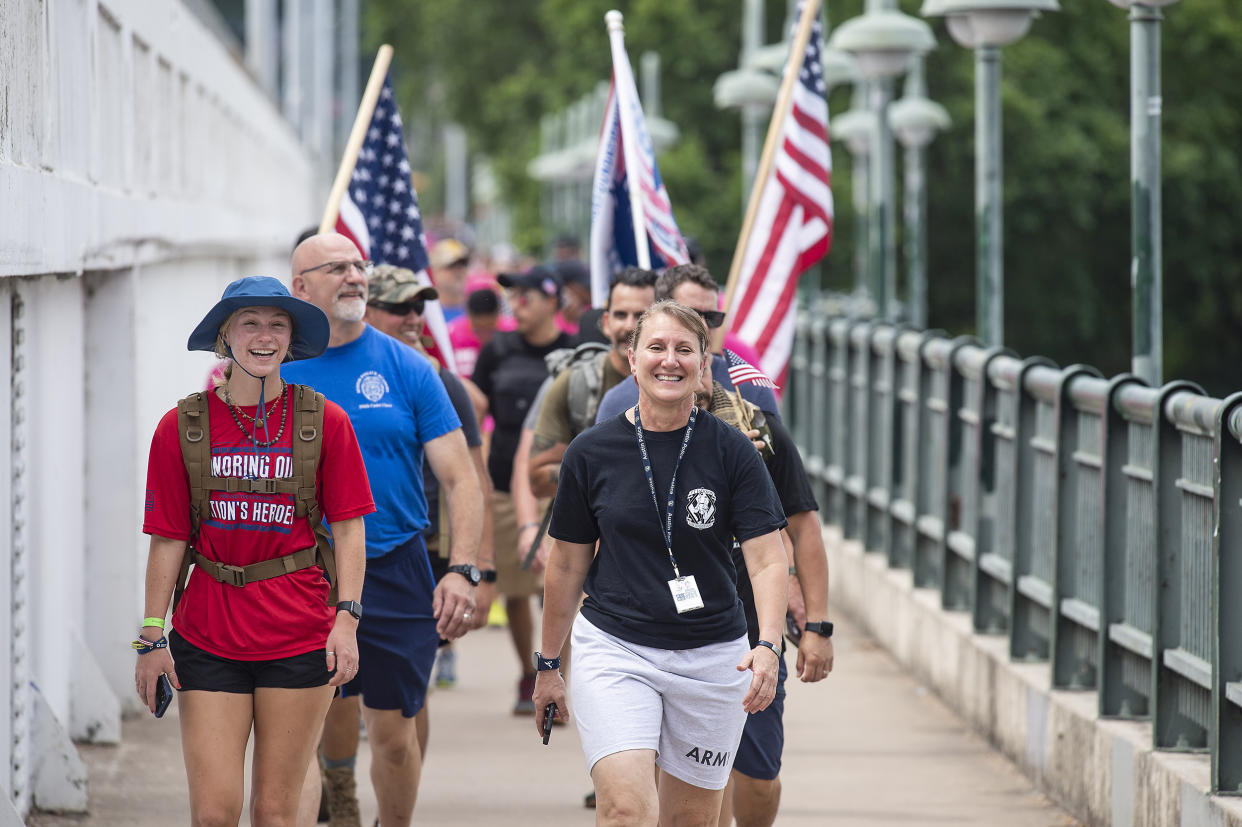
[
  {"x": 163, "y": 695},
  {"x": 549, "y": 714}
]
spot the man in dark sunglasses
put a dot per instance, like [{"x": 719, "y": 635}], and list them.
[{"x": 397, "y": 300}]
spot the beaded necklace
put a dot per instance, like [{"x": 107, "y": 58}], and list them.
[{"x": 284, "y": 413}]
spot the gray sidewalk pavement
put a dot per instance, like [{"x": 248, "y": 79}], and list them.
[{"x": 868, "y": 746}]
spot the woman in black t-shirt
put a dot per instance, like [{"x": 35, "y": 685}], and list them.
[{"x": 660, "y": 649}]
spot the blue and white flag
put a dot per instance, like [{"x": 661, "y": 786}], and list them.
[{"x": 625, "y": 143}]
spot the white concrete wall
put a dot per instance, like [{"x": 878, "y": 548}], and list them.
[{"x": 141, "y": 169}]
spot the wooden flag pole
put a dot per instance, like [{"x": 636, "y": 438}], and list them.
[
  {"x": 781, "y": 111},
  {"x": 356, "y": 137}
]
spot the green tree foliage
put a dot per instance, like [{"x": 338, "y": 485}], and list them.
[{"x": 497, "y": 66}]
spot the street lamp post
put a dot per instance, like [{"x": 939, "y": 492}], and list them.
[
  {"x": 986, "y": 26},
  {"x": 1146, "y": 239},
  {"x": 856, "y": 129},
  {"x": 916, "y": 120},
  {"x": 883, "y": 40}
]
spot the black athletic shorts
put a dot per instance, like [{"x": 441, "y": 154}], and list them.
[{"x": 199, "y": 669}]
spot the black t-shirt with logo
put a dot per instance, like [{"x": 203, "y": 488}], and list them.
[
  {"x": 509, "y": 372},
  {"x": 723, "y": 491}
]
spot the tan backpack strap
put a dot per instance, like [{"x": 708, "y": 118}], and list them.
[
  {"x": 308, "y": 407},
  {"x": 194, "y": 431}
]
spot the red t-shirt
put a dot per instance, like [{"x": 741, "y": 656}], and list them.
[{"x": 275, "y": 618}]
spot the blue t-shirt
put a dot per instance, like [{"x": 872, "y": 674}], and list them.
[
  {"x": 396, "y": 403},
  {"x": 624, "y": 395}
]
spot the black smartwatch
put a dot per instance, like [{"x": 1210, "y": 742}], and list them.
[
  {"x": 823, "y": 628},
  {"x": 351, "y": 606},
  {"x": 543, "y": 664},
  {"x": 487, "y": 575},
  {"x": 471, "y": 573}
]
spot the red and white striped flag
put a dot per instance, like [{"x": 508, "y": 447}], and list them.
[
  {"x": 793, "y": 225},
  {"x": 741, "y": 372},
  {"x": 379, "y": 211}
]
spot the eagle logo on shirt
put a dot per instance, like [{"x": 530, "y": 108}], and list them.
[{"x": 701, "y": 508}]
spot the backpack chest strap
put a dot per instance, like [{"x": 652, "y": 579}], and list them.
[
  {"x": 239, "y": 576},
  {"x": 243, "y": 485}
]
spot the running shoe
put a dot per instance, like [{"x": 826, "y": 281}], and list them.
[
  {"x": 525, "y": 699},
  {"x": 446, "y": 669}
]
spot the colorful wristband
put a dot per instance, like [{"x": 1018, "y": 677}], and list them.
[
  {"x": 143, "y": 646},
  {"x": 153, "y": 621}
]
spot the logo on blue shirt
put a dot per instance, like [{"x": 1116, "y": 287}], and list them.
[{"x": 372, "y": 385}]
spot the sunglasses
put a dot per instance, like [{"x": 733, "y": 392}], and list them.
[
  {"x": 712, "y": 318},
  {"x": 401, "y": 308}
]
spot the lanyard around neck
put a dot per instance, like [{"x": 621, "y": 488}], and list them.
[{"x": 666, "y": 524}]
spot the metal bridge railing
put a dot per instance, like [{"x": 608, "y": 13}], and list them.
[{"x": 1096, "y": 522}]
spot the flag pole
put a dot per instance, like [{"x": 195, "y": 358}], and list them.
[
  {"x": 356, "y": 137},
  {"x": 616, "y": 39},
  {"x": 781, "y": 111}
]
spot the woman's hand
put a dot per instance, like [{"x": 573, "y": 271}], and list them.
[
  {"x": 342, "y": 649},
  {"x": 147, "y": 673},
  {"x": 549, "y": 688},
  {"x": 764, "y": 663}
]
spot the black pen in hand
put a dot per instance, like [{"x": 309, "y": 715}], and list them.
[{"x": 549, "y": 713}]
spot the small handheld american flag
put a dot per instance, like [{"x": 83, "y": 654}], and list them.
[{"x": 741, "y": 372}]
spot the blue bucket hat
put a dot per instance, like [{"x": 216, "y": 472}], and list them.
[{"x": 310, "y": 325}]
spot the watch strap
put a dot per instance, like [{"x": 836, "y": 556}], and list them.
[
  {"x": 467, "y": 571},
  {"x": 487, "y": 575},
  {"x": 767, "y": 644},
  {"x": 543, "y": 664},
  {"x": 822, "y": 627},
  {"x": 351, "y": 606}
]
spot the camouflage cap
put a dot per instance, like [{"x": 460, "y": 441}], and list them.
[{"x": 395, "y": 285}]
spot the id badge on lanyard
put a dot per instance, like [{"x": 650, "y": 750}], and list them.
[
  {"x": 685, "y": 591},
  {"x": 686, "y": 595}
]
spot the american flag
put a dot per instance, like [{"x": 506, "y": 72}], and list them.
[
  {"x": 624, "y": 135},
  {"x": 741, "y": 372},
  {"x": 379, "y": 211},
  {"x": 793, "y": 225}
]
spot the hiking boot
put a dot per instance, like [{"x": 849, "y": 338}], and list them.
[
  {"x": 525, "y": 702},
  {"x": 342, "y": 797},
  {"x": 446, "y": 669}
]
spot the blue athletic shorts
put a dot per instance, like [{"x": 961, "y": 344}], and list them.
[
  {"x": 763, "y": 739},
  {"x": 397, "y": 634}
]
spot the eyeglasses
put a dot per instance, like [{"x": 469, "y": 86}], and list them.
[
  {"x": 401, "y": 308},
  {"x": 341, "y": 268},
  {"x": 712, "y": 318}
]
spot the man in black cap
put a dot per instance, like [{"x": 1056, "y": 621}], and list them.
[{"x": 509, "y": 372}]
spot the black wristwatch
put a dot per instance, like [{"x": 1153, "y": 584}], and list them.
[
  {"x": 351, "y": 606},
  {"x": 543, "y": 664},
  {"x": 471, "y": 573},
  {"x": 487, "y": 575},
  {"x": 823, "y": 627}
]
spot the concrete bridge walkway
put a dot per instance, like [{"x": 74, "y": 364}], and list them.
[{"x": 869, "y": 747}]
